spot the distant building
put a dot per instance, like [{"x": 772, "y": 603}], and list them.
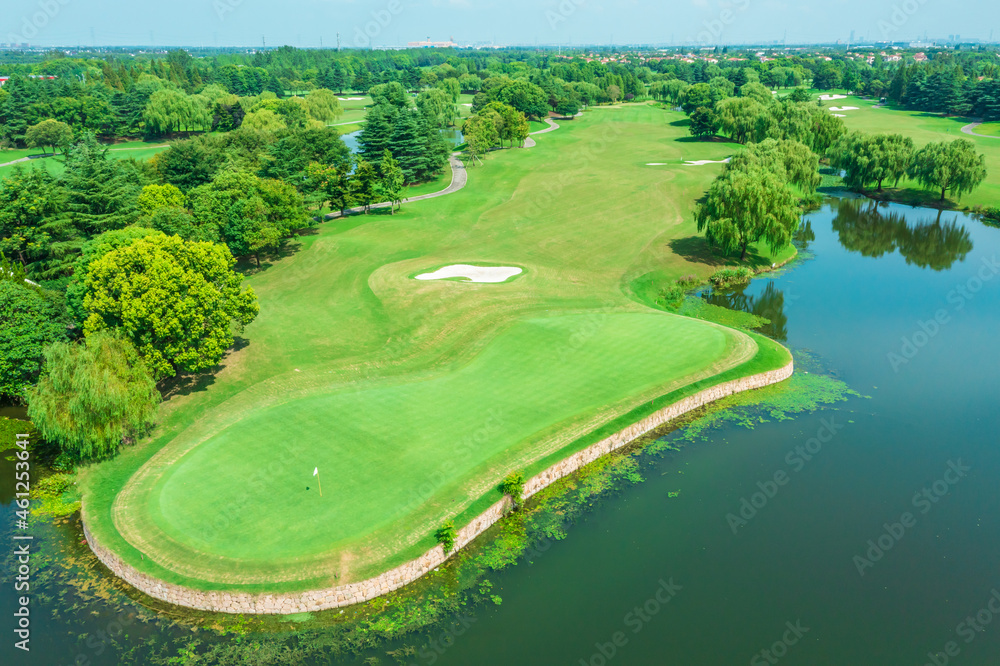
[
  {"x": 428, "y": 44},
  {"x": 920, "y": 57}
]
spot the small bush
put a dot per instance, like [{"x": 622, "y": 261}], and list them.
[
  {"x": 989, "y": 214},
  {"x": 446, "y": 536},
  {"x": 727, "y": 277},
  {"x": 513, "y": 485},
  {"x": 688, "y": 280},
  {"x": 672, "y": 297}
]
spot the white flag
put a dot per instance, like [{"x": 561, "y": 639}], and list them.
[{"x": 316, "y": 471}]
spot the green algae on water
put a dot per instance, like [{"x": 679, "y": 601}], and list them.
[{"x": 803, "y": 392}]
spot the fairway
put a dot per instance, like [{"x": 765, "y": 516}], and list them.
[{"x": 415, "y": 397}]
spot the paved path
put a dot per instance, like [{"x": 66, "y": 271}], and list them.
[
  {"x": 530, "y": 143},
  {"x": 967, "y": 129},
  {"x": 459, "y": 177},
  {"x": 23, "y": 159}
]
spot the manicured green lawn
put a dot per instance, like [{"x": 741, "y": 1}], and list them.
[
  {"x": 378, "y": 442},
  {"x": 386, "y": 383},
  {"x": 465, "y": 106},
  {"x": 19, "y": 153},
  {"x": 432, "y": 186},
  {"x": 988, "y": 129},
  {"x": 140, "y": 150}
]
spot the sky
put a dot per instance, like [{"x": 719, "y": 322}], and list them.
[{"x": 366, "y": 23}]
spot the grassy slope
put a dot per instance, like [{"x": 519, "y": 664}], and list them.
[
  {"x": 342, "y": 309},
  {"x": 924, "y": 128}
]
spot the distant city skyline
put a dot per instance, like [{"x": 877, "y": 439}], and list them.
[{"x": 382, "y": 23}]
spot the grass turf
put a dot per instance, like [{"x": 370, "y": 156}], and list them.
[
  {"x": 140, "y": 150},
  {"x": 988, "y": 129},
  {"x": 381, "y": 380}
]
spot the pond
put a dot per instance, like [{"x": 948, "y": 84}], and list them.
[{"x": 862, "y": 534}]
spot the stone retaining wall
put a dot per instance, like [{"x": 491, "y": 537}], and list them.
[{"x": 352, "y": 593}]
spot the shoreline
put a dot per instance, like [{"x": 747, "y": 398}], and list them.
[{"x": 365, "y": 590}]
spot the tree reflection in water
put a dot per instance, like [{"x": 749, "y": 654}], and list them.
[
  {"x": 863, "y": 227},
  {"x": 770, "y": 303}
]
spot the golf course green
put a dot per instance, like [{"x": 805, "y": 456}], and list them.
[{"x": 413, "y": 399}]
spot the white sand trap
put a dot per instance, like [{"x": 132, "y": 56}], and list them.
[
  {"x": 473, "y": 273},
  {"x": 839, "y": 115},
  {"x": 657, "y": 163},
  {"x": 349, "y": 99},
  {"x": 827, "y": 98},
  {"x": 466, "y": 105},
  {"x": 843, "y": 108},
  {"x": 701, "y": 162}
]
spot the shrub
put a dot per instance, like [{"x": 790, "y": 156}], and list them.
[
  {"x": 729, "y": 276},
  {"x": 688, "y": 280},
  {"x": 989, "y": 214},
  {"x": 446, "y": 536},
  {"x": 513, "y": 485},
  {"x": 672, "y": 297}
]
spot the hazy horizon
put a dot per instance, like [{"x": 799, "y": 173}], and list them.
[{"x": 315, "y": 23}]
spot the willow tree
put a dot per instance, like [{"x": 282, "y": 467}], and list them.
[
  {"x": 93, "y": 396},
  {"x": 872, "y": 158},
  {"x": 791, "y": 161},
  {"x": 744, "y": 206},
  {"x": 954, "y": 166},
  {"x": 168, "y": 111},
  {"x": 323, "y": 105}
]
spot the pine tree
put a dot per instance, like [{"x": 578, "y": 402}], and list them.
[
  {"x": 409, "y": 144},
  {"x": 377, "y": 133}
]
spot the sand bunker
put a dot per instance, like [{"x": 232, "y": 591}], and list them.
[
  {"x": 657, "y": 163},
  {"x": 701, "y": 162},
  {"x": 827, "y": 98},
  {"x": 473, "y": 273},
  {"x": 843, "y": 108},
  {"x": 839, "y": 115},
  {"x": 349, "y": 99}
]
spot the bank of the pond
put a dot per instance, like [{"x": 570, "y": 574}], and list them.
[{"x": 642, "y": 420}]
